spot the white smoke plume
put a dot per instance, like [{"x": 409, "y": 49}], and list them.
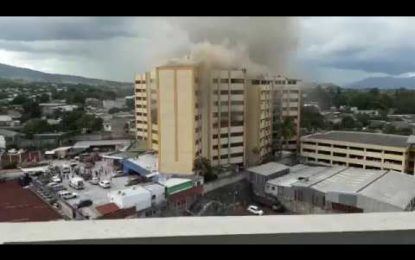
[{"x": 259, "y": 44}]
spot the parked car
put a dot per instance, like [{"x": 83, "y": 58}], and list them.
[
  {"x": 117, "y": 174},
  {"x": 67, "y": 194},
  {"x": 52, "y": 184},
  {"x": 105, "y": 184},
  {"x": 94, "y": 181},
  {"x": 58, "y": 187},
  {"x": 56, "y": 179},
  {"x": 255, "y": 210},
  {"x": 84, "y": 203},
  {"x": 134, "y": 181}
]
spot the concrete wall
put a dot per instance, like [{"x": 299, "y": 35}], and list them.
[
  {"x": 176, "y": 119},
  {"x": 374, "y": 228}
]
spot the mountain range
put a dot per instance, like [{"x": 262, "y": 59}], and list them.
[
  {"x": 18, "y": 73},
  {"x": 384, "y": 83}
]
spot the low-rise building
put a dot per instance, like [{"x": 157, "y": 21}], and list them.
[
  {"x": 260, "y": 174},
  {"x": 360, "y": 149},
  {"x": 135, "y": 196},
  {"x": 308, "y": 189},
  {"x": 7, "y": 121}
]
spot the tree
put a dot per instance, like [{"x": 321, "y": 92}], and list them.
[
  {"x": 203, "y": 166},
  {"x": 348, "y": 122},
  {"x": 114, "y": 110},
  {"x": 20, "y": 99},
  {"x": 363, "y": 119},
  {"x": 285, "y": 131},
  {"x": 30, "y": 110},
  {"x": 130, "y": 104},
  {"x": 311, "y": 118},
  {"x": 44, "y": 98},
  {"x": 36, "y": 126}
]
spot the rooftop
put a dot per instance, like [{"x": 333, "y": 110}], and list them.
[
  {"x": 147, "y": 161},
  {"x": 18, "y": 204},
  {"x": 5, "y": 118},
  {"x": 87, "y": 144},
  {"x": 173, "y": 182},
  {"x": 394, "y": 188},
  {"x": 130, "y": 191},
  {"x": 107, "y": 208},
  {"x": 362, "y": 137},
  {"x": 10, "y": 133},
  {"x": 350, "y": 180},
  {"x": 268, "y": 168}
]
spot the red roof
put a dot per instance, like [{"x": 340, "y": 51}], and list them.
[
  {"x": 107, "y": 208},
  {"x": 20, "y": 205}
]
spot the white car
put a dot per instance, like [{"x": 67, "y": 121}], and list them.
[
  {"x": 105, "y": 184},
  {"x": 94, "y": 181},
  {"x": 52, "y": 184},
  {"x": 56, "y": 179},
  {"x": 67, "y": 194},
  {"x": 255, "y": 210}
]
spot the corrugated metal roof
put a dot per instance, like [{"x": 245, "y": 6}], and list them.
[
  {"x": 395, "y": 188},
  {"x": 350, "y": 180},
  {"x": 362, "y": 137},
  {"x": 86, "y": 144},
  {"x": 268, "y": 168}
]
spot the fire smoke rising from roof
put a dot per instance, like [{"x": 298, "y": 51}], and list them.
[{"x": 259, "y": 44}]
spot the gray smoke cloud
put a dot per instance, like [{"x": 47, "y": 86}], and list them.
[{"x": 259, "y": 44}]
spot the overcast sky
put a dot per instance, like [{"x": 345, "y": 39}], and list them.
[{"x": 340, "y": 50}]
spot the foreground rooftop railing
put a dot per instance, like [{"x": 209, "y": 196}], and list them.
[{"x": 366, "y": 228}]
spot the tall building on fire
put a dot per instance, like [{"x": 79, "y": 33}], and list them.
[{"x": 226, "y": 116}]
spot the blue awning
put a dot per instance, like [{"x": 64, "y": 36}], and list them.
[{"x": 129, "y": 166}]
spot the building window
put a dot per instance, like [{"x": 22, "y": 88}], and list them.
[
  {"x": 224, "y": 80},
  {"x": 237, "y": 155},
  {"x": 237, "y": 81},
  {"x": 255, "y": 82},
  {"x": 215, "y": 80},
  {"x": 237, "y": 103}
]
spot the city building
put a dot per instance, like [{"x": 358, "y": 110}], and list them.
[
  {"x": 360, "y": 149},
  {"x": 342, "y": 189},
  {"x": 93, "y": 102},
  {"x": 259, "y": 175},
  {"x": 7, "y": 121},
  {"x": 116, "y": 103},
  {"x": 272, "y": 103},
  {"x": 260, "y": 128},
  {"x": 287, "y": 107},
  {"x": 181, "y": 107}
]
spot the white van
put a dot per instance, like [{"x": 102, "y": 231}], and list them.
[{"x": 77, "y": 183}]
